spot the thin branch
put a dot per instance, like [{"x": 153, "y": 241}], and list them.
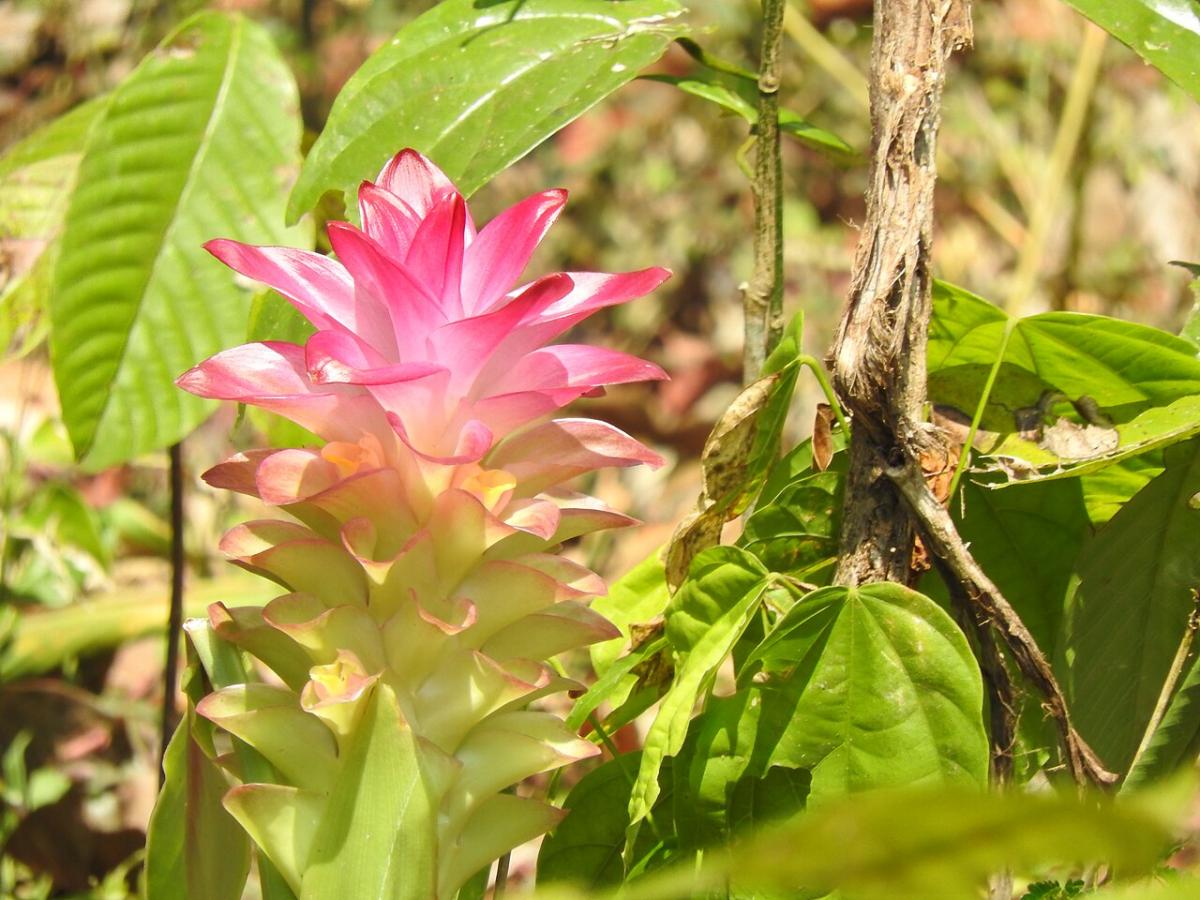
[
  {"x": 942, "y": 538},
  {"x": 1001, "y": 691},
  {"x": 175, "y": 616},
  {"x": 762, "y": 300},
  {"x": 501, "y": 886}
]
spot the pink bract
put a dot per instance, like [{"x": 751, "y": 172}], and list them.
[{"x": 422, "y": 340}]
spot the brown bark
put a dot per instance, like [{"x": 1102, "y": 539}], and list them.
[{"x": 878, "y": 356}]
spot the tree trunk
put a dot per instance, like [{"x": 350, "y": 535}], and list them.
[{"x": 878, "y": 356}]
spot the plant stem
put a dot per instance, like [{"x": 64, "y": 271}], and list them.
[
  {"x": 175, "y": 616},
  {"x": 964, "y": 457},
  {"x": 878, "y": 361},
  {"x": 814, "y": 365},
  {"x": 762, "y": 300},
  {"x": 1066, "y": 140},
  {"x": 502, "y": 875}
]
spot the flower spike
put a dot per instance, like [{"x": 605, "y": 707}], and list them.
[{"x": 421, "y": 594}]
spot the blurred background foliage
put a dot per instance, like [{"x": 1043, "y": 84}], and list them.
[{"x": 654, "y": 179}]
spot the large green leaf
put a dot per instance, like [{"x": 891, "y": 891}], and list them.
[
  {"x": 1165, "y": 33},
  {"x": 36, "y": 179},
  {"x": 1027, "y": 540},
  {"x": 871, "y": 687},
  {"x": 200, "y": 141},
  {"x": 1142, "y": 380},
  {"x": 477, "y": 85},
  {"x": 704, "y": 621},
  {"x": 1131, "y": 607}
]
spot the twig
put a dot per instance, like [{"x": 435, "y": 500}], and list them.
[
  {"x": 1001, "y": 691},
  {"x": 942, "y": 538},
  {"x": 762, "y": 300},
  {"x": 175, "y": 616},
  {"x": 502, "y": 875}
]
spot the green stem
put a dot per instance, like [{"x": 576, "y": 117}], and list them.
[
  {"x": 762, "y": 301},
  {"x": 175, "y": 615},
  {"x": 965, "y": 456},
  {"x": 818, "y": 370}
]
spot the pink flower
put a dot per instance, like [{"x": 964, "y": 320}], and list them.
[
  {"x": 422, "y": 585},
  {"x": 421, "y": 335}
]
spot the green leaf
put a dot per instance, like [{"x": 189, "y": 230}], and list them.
[
  {"x": 639, "y": 596},
  {"x": 586, "y": 848},
  {"x": 199, "y": 142},
  {"x": 382, "y": 797},
  {"x": 1157, "y": 427},
  {"x": 475, "y": 86},
  {"x": 871, "y": 687},
  {"x": 615, "y": 684},
  {"x": 1131, "y": 607},
  {"x": 36, "y": 178},
  {"x": 944, "y": 843},
  {"x": 1165, "y": 33},
  {"x": 1027, "y": 540},
  {"x": 704, "y": 621},
  {"x": 722, "y": 782},
  {"x": 741, "y": 98},
  {"x": 194, "y": 847},
  {"x": 716, "y": 755},
  {"x": 1143, "y": 380},
  {"x": 1191, "y": 326},
  {"x": 1107, "y": 490},
  {"x": 797, "y": 531}
]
